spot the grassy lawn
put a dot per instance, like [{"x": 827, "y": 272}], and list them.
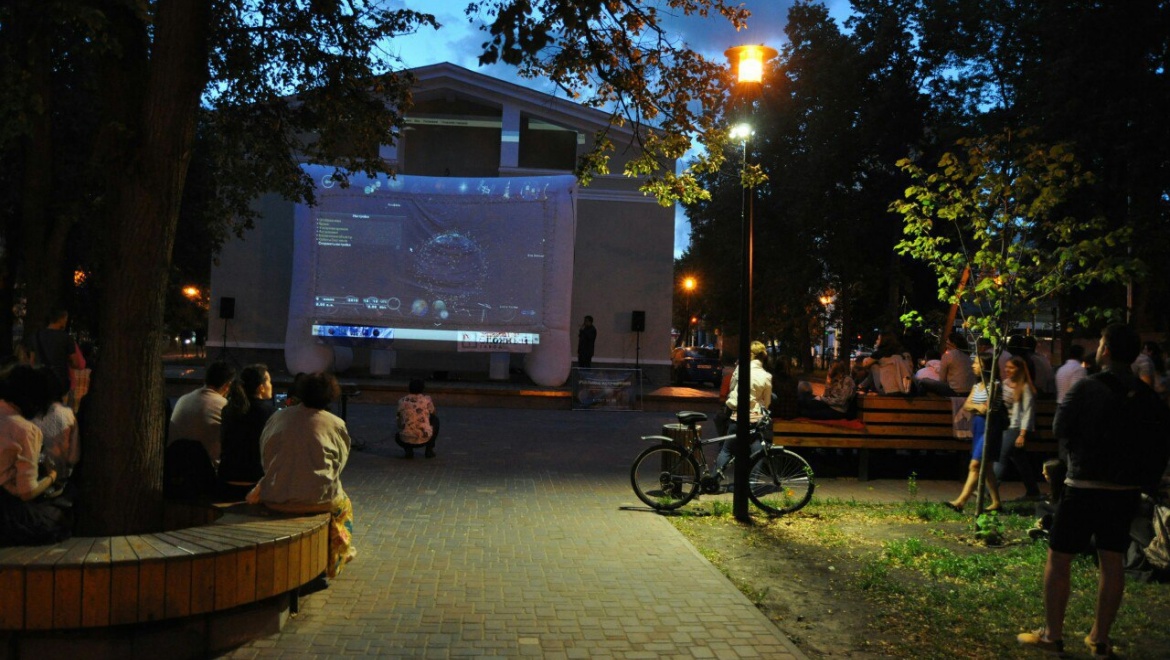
[{"x": 910, "y": 580}]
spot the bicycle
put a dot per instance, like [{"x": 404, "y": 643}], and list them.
[{"x": 674, "y": 471}]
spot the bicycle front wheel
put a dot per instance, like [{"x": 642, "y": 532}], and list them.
[
  {"x": 664, "y": 477},
  {"x": 780, "y": 481}
]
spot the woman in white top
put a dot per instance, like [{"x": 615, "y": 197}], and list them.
[
  {"x": 61, "y": 447},
  {"x": 1020, "y": 397},
  {"x": 26, "y": 518},
  {"x": 977, "y": 406}
]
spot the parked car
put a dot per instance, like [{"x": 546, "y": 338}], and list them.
[{"x": 695, "y": 364}]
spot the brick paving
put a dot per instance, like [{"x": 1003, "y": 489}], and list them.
[{"x": 522, "y": 538}]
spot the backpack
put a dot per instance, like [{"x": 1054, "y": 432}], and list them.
[{"x": 1142, "y": 433}]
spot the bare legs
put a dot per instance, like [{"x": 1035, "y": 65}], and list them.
[
  {"x": 1110, "y": 589},
  {"x": 972, "y": 480}
]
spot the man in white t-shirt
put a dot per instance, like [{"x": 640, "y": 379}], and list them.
[
  {"x": 197, "y": 414},
  {"x": 1070, "y": 372}
]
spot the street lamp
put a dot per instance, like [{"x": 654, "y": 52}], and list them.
[
  {"x": 747, "y": 65},
  {"x": 826, "y": 305},
  {"x": 689, "y": 287}
]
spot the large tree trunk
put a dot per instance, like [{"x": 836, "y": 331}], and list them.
[{"x": 123, "y": 443}]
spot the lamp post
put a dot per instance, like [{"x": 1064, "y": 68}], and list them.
[
  {"x": 689, "y": 287},
  {"x": 747, "y": 65},
  {"x": 827, "y": 308}
]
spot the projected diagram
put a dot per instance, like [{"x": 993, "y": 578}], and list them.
[{"x": 481, "y": 270}]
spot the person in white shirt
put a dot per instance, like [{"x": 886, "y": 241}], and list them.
[
  {"x": 1070, "y": 372},
  {"x": 761, "y": 399},
  {"x": 198, "y": 414}
]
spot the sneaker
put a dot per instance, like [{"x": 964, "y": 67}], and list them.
[
  {"x": 1100, "y": 650},
  {"x": 1038, "y": 639}
]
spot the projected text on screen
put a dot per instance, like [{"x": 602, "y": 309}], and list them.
[{"x": 433, "y": 262}]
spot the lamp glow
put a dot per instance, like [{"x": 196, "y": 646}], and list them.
[{"x": 748, "y": 62}]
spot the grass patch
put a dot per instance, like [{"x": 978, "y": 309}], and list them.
[{"x": 931, "y": 587}]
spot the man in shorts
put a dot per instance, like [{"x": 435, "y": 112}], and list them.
[{"x": 1090, "y": 506}]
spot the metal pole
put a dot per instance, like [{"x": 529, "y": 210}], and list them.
[{"x": 739, "y": 501}]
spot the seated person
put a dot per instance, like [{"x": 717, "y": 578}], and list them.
[
  {"x": 837, "y": 398},
  {"x": 61, "y": 447},
  {"x": 861, "y": 376},
  {"x": 929, "y": 377},
  {"x": 888, "y": 366},
  {"x": 929, "y": 370},
  {"x": 198, "y": 414},
  {"x": 303, "y": 450},
  {"x": 26, "y": 518},
  {"x": 418, "y": 425},
  {"x": 247, "y": 411}
]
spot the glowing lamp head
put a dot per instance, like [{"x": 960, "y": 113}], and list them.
[
  {"x": 741, "y": 131},
  {"x": 689, "y": 284},
  {"x": 747, "y": 62}
]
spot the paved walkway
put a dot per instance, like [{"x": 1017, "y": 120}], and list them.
[{"x": 524, "y": 539}]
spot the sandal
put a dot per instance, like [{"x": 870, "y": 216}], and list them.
[{"x": 952, "y": 506}]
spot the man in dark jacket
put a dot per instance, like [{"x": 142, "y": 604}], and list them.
[{"x": 1095, "y": 503}]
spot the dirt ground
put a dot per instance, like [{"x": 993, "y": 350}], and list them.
[
  {"x": 813, "y": 599},
  {"x": 809, "y": 583}
]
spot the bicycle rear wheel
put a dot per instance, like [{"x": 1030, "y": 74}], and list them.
[
  {"x": 664, "y": 477},
  {"x": 780, "y": 481}
]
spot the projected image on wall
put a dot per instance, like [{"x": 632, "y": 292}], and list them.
[{"x": 473, "y": 260}]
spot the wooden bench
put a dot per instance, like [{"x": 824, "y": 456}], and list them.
[
  {"x": 244, "y": 556},
  {"x": 897, "y": 422}
]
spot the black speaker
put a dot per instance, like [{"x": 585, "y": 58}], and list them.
[
  {"x": 638, "y": 321},
  {"x": 227, "y": 308}
]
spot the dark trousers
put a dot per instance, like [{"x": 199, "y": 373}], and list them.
[{"x": 1018, "y": 458}]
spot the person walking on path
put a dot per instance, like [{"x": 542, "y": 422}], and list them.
[
  {"x": 418, "y": 425},
  {"x": 1019, "y": 395},
  {"x": 977, "y": 405},
  {"x": 586, "y": 337},
  {"x": 1104, "y": 459}
]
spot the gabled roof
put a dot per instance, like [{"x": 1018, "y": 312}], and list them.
[{"x": 437, "y": 80}]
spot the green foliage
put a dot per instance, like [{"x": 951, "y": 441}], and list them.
[
  {"x": 912, "y": 485},
  {"x": 999, "y": 206},
  {"x": 989, "y": 528}
]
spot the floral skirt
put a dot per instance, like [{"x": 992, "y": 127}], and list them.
[{"x": 341, "y": 549}]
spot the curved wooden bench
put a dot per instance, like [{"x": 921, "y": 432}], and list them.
[
  {"x": 897, "y": 422},
  {"x": 245, "y": 556}
]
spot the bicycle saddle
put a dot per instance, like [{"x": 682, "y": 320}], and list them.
[{"x": 689, "y": 417}]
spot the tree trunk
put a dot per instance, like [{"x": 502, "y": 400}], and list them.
[{"x": 123, "y": 441}]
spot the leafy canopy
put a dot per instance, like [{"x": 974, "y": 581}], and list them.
[{"x": 1001, "y": 205}]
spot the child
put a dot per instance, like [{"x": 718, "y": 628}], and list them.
[{"x": 418, "y": 426}]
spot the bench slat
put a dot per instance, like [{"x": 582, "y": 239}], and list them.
[
  {"x": 95, "y": 584},
  {"x": 67, "y": 585},
  {"x": 124, "y": 569}
]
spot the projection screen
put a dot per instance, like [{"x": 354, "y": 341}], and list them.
[{"x": 485, "y": 262}]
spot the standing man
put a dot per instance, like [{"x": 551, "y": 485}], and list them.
[
  {"x": 53, "y": 347},
  {"x": 1070, "y": 372},
  {"x": 586, "y": 336},
  {"x": 1105, "y": 465},
  {"x": 198, "y": 414}
]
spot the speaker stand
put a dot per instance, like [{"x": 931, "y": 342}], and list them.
[{"x": 223, "y": 349}]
